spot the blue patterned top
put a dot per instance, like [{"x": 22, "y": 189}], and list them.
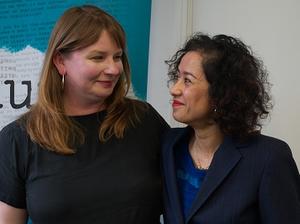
[{"x": 189, "y": 178}]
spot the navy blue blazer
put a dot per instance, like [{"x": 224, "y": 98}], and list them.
[{"x": 254, "y": 182}]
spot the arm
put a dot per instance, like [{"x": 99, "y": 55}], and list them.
[
  {"x": 12, "y": 215},
  {"x": 12, "y": 181},
  {"x": 279, "y": 192}
]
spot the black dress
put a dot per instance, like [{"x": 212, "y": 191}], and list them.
[{"x": 113, "y": 182}]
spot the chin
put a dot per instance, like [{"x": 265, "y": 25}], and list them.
[
  {"x": 179, "y": 119},
  {"x": 104, "y": 94}
]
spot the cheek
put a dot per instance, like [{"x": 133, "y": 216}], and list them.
[
  {"x": 197, "y": 100},
  {"x": 74, "y": 68},
  {"x": 120, "y": 67},
  {"x": 89, "y": 71}
]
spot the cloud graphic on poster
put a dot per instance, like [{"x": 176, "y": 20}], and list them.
[{"x": 19, "y": 75}]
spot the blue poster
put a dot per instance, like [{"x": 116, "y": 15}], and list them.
[{"x": 25, "y": 26}]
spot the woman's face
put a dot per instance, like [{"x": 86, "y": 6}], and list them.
[
  {"x": 91, "y": 73},
  {"x": 191, "y": 102}
]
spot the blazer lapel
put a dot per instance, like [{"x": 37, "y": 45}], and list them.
[
  {"x": 225, "y": 159},
  {"x": 170, "y": 171}
]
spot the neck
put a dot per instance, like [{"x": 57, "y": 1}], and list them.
[
  {"x": 75, "y": 108},
  {"x": 207, "y": 140},
  {"x": 203, "y": 144}
]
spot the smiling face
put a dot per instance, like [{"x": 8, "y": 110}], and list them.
[
  {"x": 191, "y": 102},
  {"x": 91, "y": 73}
]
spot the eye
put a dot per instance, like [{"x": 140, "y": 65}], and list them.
[
  {"x": 118, "y": 57},
  {"x": 98, "y": 57},
  {"x": 187, "y": 81}
]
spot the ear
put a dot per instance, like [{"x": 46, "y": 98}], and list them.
[{"x": 59, "y": 62}]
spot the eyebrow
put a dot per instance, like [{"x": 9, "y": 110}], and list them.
[
  {"x": 105, "y": 52},
  {"x": 188, "y": 73}
]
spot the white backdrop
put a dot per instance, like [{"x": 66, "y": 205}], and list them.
[{"x": 270, "y": 27}]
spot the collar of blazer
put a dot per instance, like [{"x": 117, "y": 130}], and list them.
[{"x": 225, "y": 159}]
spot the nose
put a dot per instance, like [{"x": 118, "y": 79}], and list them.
[
  {"x": 176, "y": 88},
  {"x": 113, "y": 67}
]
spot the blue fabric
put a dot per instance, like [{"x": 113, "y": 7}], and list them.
[{"x": 188, "y": 177}]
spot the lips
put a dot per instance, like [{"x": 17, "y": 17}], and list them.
[
  {"x": 106, "y": 84},
  {"x": 176, "y": 103}
]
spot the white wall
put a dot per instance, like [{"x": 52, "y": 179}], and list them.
[
  {"x": 170, "y": 25},
  {"x": 270, "y": 27}
]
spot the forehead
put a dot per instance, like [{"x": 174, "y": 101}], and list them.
[
  {"x": 105, "y": 40},
  {"x": 191, "y": 62},
  {"x": 104, "y": 43},
  {"x": 191, "y": 58}
]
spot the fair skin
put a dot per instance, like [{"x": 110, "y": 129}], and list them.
[
  {"x": 192, "y": 106},
  {"x": 91, "y": 74},
  {"x": 12, "y": 215}
]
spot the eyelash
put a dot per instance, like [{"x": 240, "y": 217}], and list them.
[
  {"x": 175, "y": 80},
  {"x": 118, "y": 57},
  {"x": 187, "y": 81},
  {"x": 98, "y": 57}
]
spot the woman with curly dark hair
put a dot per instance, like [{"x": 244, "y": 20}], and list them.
[{"x": 220, "y": 169}]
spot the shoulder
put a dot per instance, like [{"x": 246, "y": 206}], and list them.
[
  {"x": 269, "y": 140},
  {"x": 135, "y": 107},
  {"x": 13, "y": 136},
  {"x": 278, "y": 152},
  {"x": 272, "y": 152},
  {"x": 154, "y": 118},
  {"x": 280, "y": 181},
  {"x": 147, "y": 112},
  {"x": 13, "y": 143},
  {"x": 269, "y": 145},
  {"x": 13, "y": 129},
  {"x": 147, "y": 115},
  {"x": 14, "y": 139},
  {"x": 174, "y": 135},
  {"x": 143, "y": 107}
]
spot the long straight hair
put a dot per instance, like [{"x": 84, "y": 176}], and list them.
[{"x": 46, "y": 121}]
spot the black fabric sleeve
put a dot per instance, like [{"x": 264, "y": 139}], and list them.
[
  {"x": 12, "y": 184},
  {"x": 279, "y": 192}
]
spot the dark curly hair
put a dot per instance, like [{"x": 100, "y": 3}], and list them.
[{"x": 239, "y": 89}]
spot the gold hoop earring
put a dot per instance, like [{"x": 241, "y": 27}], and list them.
[{"x": 63, "y": 82}]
